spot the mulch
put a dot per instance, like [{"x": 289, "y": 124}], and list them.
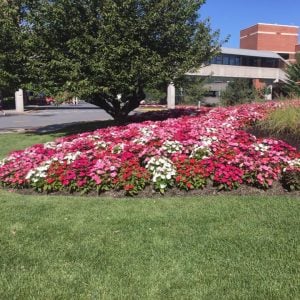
[{"x": 244, "y": 190}]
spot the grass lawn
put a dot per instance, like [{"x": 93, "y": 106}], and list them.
[
  {"x": 18, "y": 141},
  {"x": 225, "y": 247},
  {"x": 190, "y": 248}
]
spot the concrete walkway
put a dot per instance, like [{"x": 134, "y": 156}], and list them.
[{"x": 50, "y": 118}]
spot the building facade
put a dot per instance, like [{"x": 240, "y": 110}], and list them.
[
  {"x": 264, "y": 68},
  {"x": 265, "y": 50},
  {"x": 282, "y": 39}
]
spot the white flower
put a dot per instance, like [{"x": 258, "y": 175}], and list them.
[
  {"x": 147, "y": 131},
  {"x": 50, "y": 145},
  {"x": 168, "y": 176},
  {"x": 100, "y": 144},
  {"x": 207, "y": 141},
  {"x": 30, "y": 174},
  {"x": 294, "y": 163},
  {"x": 162, "y": 169},
  {"x": 3, "y": 162},
  {"x": 162, "y": 185},
  {"x": 118, "y": 148},
  {"x": 141, "y": 141},
  {"x": 260, "y": 147},
  {"x": 40, "y": 172},
  {"x": 172, "y": 146},
  {"x": 70, "y": 157},
  {"x": 200, "y": 152}
]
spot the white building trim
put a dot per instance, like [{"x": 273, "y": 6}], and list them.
[
  {"x": 240, "y": 72},
  {"x": 272, "y": 32},
  {"x": 277, "y": 25}
]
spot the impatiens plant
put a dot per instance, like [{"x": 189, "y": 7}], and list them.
[
  {"x": 163, "y": 172},
  {"x": 185, "y": 149},
  {"x": 227, "y": 177},
  {"x": 191, "y": 173},
  {"x": 133, "y": 177},
  {"x": 291, "y": 175}
]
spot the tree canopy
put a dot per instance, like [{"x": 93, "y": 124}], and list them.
[
  {"x": 98, "y": 49},
  {"x": 10, "y": 56},
  {"x": 292, "y": 86}
]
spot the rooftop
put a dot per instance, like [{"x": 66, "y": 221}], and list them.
[
  {"x": 248, "y": 52},
  {"x": 293, "y": 26}
]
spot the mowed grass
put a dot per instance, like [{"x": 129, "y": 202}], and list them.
[
  {"x": 55, "y": 247},
  {"x": 224, "y": 247},
  {"x": 17, "y": 141}
]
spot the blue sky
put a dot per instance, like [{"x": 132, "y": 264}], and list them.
[{"x": 230, "y": 16}]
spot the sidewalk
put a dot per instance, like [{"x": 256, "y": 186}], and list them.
[{"x": 9, "y": 112}]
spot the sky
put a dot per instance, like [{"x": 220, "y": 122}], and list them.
[{"x": 230, "y": 16}]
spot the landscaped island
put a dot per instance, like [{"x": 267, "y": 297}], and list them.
[{"x": 197, "y": 149}]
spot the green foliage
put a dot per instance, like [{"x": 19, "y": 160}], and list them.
[
  {"x": 284, "y": 120},
  {"x": 291, "y": 179},
  {"x": 194, "y": 89},
  {"x": 10, "y": 57},
  {"x": 238, "y": 91},
  {"x": 155, "y": 95},
  {"x": 292, "y": 86},
  {"x": 99, "y": 49}
]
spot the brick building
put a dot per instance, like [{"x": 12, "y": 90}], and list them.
[{"x": 282, "y": 39}]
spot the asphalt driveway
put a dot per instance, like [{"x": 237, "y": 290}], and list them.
[{"x": 51, "y": 118}]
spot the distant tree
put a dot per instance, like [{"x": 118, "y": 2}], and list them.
[
  {"x": 98, "y": 50},
  {"x": 239, "y": 90},
  {"x": 10, "y": 56},
  {"x": 194, "y": 89},
  {"x": 292, "y": 86}
]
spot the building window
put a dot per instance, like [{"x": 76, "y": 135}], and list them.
[
  {"x": 284, "y": 55},
  {"x": 249, "y": 61},
  {"x": 225, "y": 60}
]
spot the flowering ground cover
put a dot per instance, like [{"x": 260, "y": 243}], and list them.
[{"x": 190, "y": 149}]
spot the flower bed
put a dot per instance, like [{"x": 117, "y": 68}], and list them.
[{"x": 197, "y": 148}]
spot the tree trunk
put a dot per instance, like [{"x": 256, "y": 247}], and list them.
[{"x": 119, "y": 109}]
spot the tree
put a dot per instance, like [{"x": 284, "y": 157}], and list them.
[
  {"x": 239, "y": 90},
  {"x": 10, "y": 57},
  {"x": 194, "y": 89},
  {"x": 292, "y": 85},
  {"x": 100, "y": 49}
]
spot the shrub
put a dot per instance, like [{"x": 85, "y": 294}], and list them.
[
  {"x": 291, "y": 179},
  {"x": 238, "y": 91},
  {"x": 291, "y": 175}
]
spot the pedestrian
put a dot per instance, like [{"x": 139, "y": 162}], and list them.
[{"x": 1, "y": 105}]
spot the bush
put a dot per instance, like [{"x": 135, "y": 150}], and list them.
[
  {"x": 9, "y": 103},
  {"x": 238, "y": 91},
  {"x": 291, "y": 179}
]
